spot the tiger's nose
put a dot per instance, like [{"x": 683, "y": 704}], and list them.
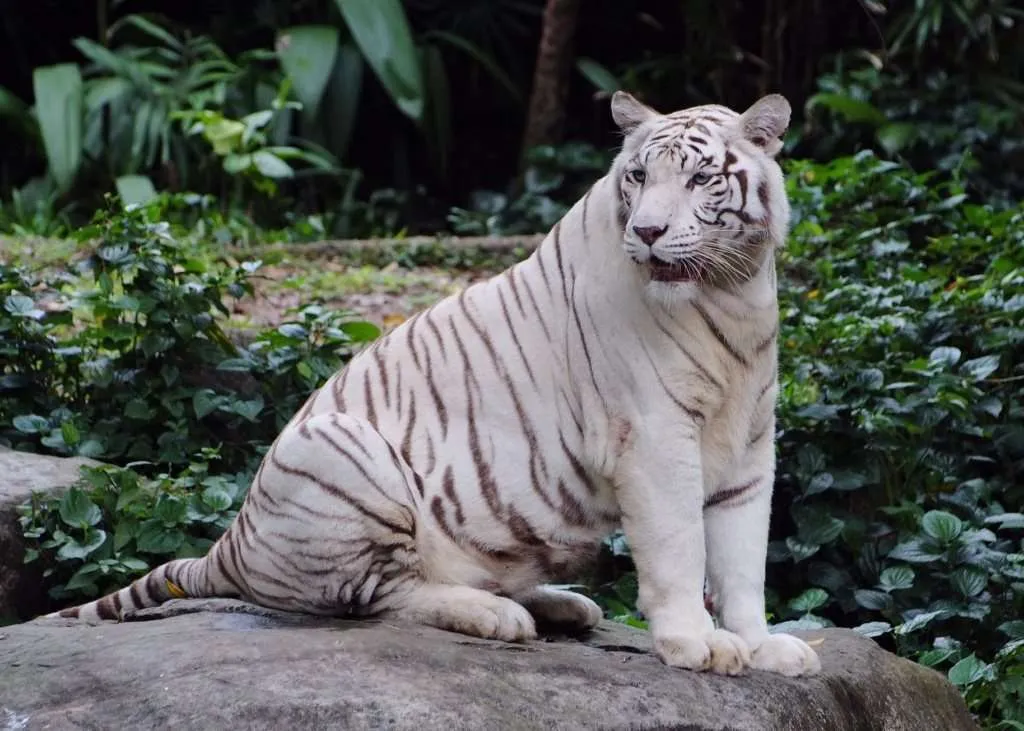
[{"x": 649, "y": 234}]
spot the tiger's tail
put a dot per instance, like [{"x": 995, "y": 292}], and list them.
[{"x": 183, "y": 577}]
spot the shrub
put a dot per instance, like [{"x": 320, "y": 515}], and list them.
[
  {"x": 129, "y": 362},
  {"x": 901, "y": 449}
]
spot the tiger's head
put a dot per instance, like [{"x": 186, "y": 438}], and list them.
[{"x": 701, "y": 198}]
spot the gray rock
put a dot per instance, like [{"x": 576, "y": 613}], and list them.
[
  {"x": 21, "y": 474},
  {"x": 219, "y": 664}
]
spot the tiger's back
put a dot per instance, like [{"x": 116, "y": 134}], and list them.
[{"x": 624, "y": 373}]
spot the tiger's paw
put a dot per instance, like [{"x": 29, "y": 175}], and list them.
[
  {"x": 564, "y": 610},
  {"x": 786, "y": 655},
  {"x": 719, "y": 651},
  {"x": 468, "y": 611}
]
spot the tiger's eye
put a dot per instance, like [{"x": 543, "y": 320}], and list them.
[
  {"x": 700, "y": 178},
  {"x": 638, "y": 175}
]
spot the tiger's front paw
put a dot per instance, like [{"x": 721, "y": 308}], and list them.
[
  {"x": 786, "y": 655},
  {"x": 719, "y": 651}
]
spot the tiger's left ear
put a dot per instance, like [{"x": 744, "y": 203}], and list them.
[
  {"x": 629, "y": 113},
  {"x": 765, "y": 122}
]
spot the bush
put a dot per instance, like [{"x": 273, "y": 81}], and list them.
[
  {"x": 117, "y": 525},
  {"x": 129, "y": 362},
  {"x": 902, "y": 446}
]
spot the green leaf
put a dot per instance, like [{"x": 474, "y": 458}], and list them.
[
  {"x": 235, "y": 364},
  {"x": 123, "y": 533},
  {"x": 76, "y": 509},
  {"x": 381, "y": 30},
  {"x": 816, "y": 526},
  {"x": 155, "y": 538},
  {"x": 914, "y": 551},
  {"x": 70, "y": 432},
  {"x": 801, "y": 550},
  {"x": 135, "y": 564},
  {"x": 91, "y": 448},
  {"x": 205, "y": 401},
  {"x": 31, "y": 424},
  {"x": 944, "y": 356},
  {"x": 170, "y": 510},
  {"x": 942, "y": 526},
  {"x": 809, "y": 600},
  {"x": 341, "y": 101},
  {"x": 968, "y": 580},
  {"x": 59, "y": 102},
  {"x": 602, "y": 79},
  {"x": 21, "y": 306},
  {"x": 873, "y": 629},
  {"x": 895, "y": 136},
  {"x": 896, "y": 577},
  {"x": 217, "y": 498},
  {"x": 968, "y": 671},
  {"x": 819, "y": 483},
  {"x": 135, "y": 189},
  {"x": 980, "y": 368},
  {"x": 84, "y": 578},
  {"x": 849, "y": 108},
  {"x": 249, "y": 410},
  {"x": 920, "y": 621},
  {"x": 138, "y": 409},
  {"x": 361, "y": 331},
  {"x": 871, "y": 599},
  {"x": 271, "y": 165},
  {"x": 72, "y": 549},
  {"x": 307, "y": 54}
]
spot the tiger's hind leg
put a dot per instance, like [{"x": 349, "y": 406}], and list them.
[
  {"x": 329, "y": 525},
  {"x": 338, "y": 535},
  {"x": 561, "y": 610}
]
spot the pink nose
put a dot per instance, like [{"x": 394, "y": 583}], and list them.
[{"x": 649, "y": 234}]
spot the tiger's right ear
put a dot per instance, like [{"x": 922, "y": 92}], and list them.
[{"x": 629, "y": 113}]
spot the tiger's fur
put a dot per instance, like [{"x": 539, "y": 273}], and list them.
[{"x": 625, "y": 373}]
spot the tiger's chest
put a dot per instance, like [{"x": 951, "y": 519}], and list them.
[{"x": 718, "y": 374}]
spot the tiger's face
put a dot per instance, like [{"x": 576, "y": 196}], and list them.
[{"x": 702, "y": 200}]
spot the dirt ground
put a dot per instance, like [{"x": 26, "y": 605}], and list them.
[{"x": 384, "y": 297}]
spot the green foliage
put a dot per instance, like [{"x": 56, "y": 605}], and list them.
[
  {"x": 59, "y": 95},
  {"x": 245, "y": 147},
  {"x": 902, "y": 377},
  {"x": 555, "y": 178},
  {"x": 129, "y": 361},
  {"x": 116, "y": 525}
]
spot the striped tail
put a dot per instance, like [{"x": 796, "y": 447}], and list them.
[{"x": 184, "y": 577}]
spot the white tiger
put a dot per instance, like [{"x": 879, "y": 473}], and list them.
[{"x": 625, "y": 373}]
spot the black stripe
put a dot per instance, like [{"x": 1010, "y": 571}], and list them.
[
  {"x": 719, "y": 335},
  {"x": 723, "y": 496}
]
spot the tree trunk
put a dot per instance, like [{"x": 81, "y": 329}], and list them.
[{"x": 546, "y": 116}]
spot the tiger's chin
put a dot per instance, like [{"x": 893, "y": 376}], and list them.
[{"x": 671, "y": 296}]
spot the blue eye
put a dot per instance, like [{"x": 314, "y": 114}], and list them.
[
  {"x": 700, "y": 178},
  {"x": 637, "y": 175}
]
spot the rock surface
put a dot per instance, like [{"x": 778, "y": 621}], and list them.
[
  {"x": 21, "y": 474},
  {"x": 218, "y": 664}
]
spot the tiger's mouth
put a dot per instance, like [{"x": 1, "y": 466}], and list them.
[{"x": 663, "y": 271}]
